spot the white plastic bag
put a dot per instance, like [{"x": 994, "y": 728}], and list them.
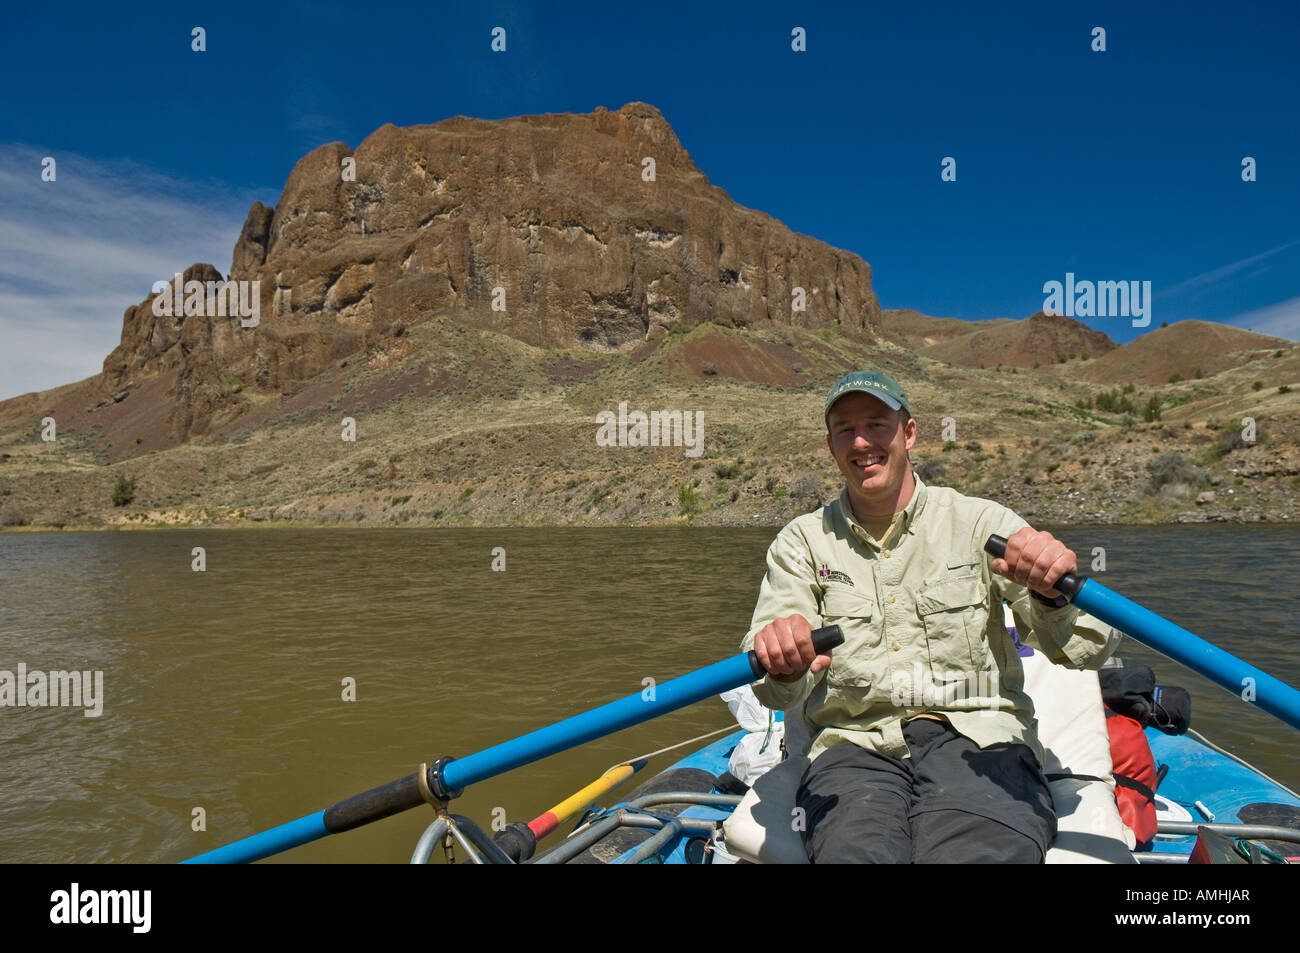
[{"x": 760, "y": 750}]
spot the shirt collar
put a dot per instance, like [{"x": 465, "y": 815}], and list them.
[{"x": 910, "y": 513}]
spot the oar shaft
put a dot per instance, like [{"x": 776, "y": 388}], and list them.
[
  {"x": 277, "y": 839},
  {"x": 1247, "y": 682},
  {"x": 548, "y": 821},
  {"x": 1244, "y": 680},
  {"x": 655, "y": 700},
  {"x": 404, "y": 793}
]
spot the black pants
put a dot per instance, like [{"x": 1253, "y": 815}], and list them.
[{"x": 951, "y": 802}]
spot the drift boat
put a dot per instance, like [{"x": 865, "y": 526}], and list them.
[
  {"x": 691, "y": 819},
  {"x": 1203, "y": 786}
]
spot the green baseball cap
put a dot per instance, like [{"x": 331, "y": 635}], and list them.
[{"x": 876, "y": 384}]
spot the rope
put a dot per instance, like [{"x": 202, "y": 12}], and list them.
[
  {"x": 680, "y": 744},
  {"x": 1210, "y": 744},
  {"x": 771, "y": 720}
]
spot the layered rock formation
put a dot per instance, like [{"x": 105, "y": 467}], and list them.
[{"x": 541, "y": 227}]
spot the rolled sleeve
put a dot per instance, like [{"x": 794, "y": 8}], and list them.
[
  {"x": 789, "y": 588},
  {"x": 1067, "y": 636}
]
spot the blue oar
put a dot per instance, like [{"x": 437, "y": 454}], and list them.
[
  {"x": 1223, "y": 668},
  {"x": 447, "y": 777}
]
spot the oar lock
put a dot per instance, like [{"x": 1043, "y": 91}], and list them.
[{"x": 432, "y": 786}]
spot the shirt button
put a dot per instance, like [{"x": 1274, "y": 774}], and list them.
[
  {"x": 891, "y": 597},
  {"x": 886, "y": 554},
  {"x": 895, "y": 646}
]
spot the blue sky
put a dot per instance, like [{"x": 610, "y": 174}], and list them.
[{"x": 1115, "y": 165}]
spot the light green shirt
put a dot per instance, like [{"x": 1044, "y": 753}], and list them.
[{"x": 923, "y": 625}]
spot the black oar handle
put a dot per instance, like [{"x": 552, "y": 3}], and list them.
[
  {"x": 823, "y": 641},
  {"x": 1069, "y": 584}
]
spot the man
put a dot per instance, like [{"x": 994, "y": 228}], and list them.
[{"x": 923, "y": 741}]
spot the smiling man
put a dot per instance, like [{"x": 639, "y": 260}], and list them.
[{"x": 923, "y": 740}]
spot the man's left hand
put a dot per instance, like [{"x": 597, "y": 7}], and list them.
[{"x": 1036, "y": 559}]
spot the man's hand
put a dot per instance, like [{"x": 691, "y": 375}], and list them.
[
  {"x": 784, "y": 648},
  {"x": 1036, "y": 560}
]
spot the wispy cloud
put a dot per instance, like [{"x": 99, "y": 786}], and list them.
[
  {"x": 1280, "y": 320},
  {"x": 1214, "y": 276},
  {"x": 76, "y": 252}
]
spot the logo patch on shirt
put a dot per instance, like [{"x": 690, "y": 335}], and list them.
[{"x": 826, "y": 574}]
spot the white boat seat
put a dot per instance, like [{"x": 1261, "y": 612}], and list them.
[{"x": 1072, "y": 729}]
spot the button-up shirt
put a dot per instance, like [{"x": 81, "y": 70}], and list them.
[{"x": 922, "y": 618}]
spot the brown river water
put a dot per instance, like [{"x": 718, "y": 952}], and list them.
[{"x": 223, "y": 690}]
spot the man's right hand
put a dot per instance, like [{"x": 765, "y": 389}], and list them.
[{"x": 785, "y": 650}]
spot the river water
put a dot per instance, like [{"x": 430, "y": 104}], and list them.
[{"x": 224, "y": 689}]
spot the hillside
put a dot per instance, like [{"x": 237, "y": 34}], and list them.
[
  {"x": 1185, "y": 349},
  {"x": 382, "y": 385}
]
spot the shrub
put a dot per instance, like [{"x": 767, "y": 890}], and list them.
[
  {"x": 974, "y": 446},
  {"x": 1170, "y": 468},
  {"x": 807, "y": 487},
  {"x": 949, "y": 445},
  {"x": 930, "y": 471},
  {"x": 1229, "y": 439},
  {"x": 1258, "y": 385},
  {"x": 123, "y": 490},
  {"x": 1284, "y": 389},
  {"x": 13, "y": 516},
  {"x": 1116, "y": 401},
  {"x": 770, "y": 484},
  {"x": 1175, "y": 378},
  {"x": 688, "y": 499},
  {"x": 725, "y": 471},
  {"x": 1152, "y": 410}
]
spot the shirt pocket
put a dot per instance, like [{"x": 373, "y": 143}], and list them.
[
  {"x": 859, "y": 619},
  {"x": 952, "y": 609}
]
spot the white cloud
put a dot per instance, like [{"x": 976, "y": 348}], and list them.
[
  {"x": 77, "y": 252},
  {"x": 1280, "y": 320},
  {"x": 1215, "y": 275}
]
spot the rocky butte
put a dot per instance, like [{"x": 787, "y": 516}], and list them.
[{"x": 553, "y": 210}]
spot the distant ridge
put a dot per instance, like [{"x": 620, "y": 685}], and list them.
[
  {"x": 1038, "y": 339},
  {"x": 1185, "y": 349}
]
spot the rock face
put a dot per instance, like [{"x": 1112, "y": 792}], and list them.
[{"x": 542, "y": 227}]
